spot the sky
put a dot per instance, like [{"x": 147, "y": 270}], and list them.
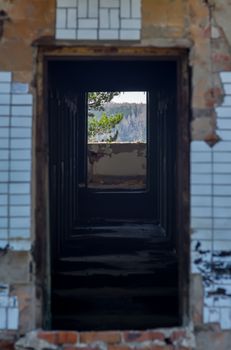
[{"x": 130, "y": 97}]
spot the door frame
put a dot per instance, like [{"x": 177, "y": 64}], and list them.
[{"x": 41, "y": 250}]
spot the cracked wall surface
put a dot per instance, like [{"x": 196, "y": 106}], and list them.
[{"x": 202, "y": 27}]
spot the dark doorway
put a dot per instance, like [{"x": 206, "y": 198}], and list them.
[{"x": 113, "y": 250}]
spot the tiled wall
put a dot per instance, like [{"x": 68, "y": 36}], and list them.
[
  {"x": 98, "y": 19},
  {"x": 15, "y": 163},
  {"x": 9, "y": 312},
  {"x": 211, "y": 214}
]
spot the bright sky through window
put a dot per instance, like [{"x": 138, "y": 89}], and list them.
[{"x": 130, "y": 97}]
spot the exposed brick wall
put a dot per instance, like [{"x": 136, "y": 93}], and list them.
[{"x": 168, "y": 339}]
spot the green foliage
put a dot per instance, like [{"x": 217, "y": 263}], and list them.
[{"x": 102, "y": 128}]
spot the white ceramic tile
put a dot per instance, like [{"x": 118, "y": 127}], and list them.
[
  {"x": 66, "y": 34},
  {"x": 201, "y": 201},
  {"x": 136, "y": 8},
  {"x": 109, "y": 3},
  {"x": 222, "y": 157},
  {"x": 225, "y": 77},
  {"x": 88, "y": 23},
  {"x": 4, "y": 154},
  {"x": 16, "y": 211},
  {"x": 222, "y": 223},
  {"x": 4, "y": 143},
  {"x": 22, "y": 99},
  {"x": 202, "y": 234},
  {"x": 4, "y": 222},
  {"x": 5, "y": 88},
  {"x": 214, "y": 315},
  {"x": 4, "y": 110},
  {"x": 82, "y": 9},
  {"x": 3, "y": 318},
  {"x": 221, "y": 245},
  {"x": 4, "y": 165},
  {"x": 4, "y": 99},
  {"x": 224, "y": 112},
  {"x": 4, "y": 121},
  {"x": 5, "y": 77},
  {"x": 3, "y": 199},
  {"x": 114, "y": 19},
  {"x": 87, "y": 34},
  {"x": 20, "y": 176},
  {"x": 201, "y": 168},
  {"x": 67, "y": 3},
  {"x": 20, "y": 143},
  {"x": 201, "y": 212},
  {"x": 201, "y": 179},
  {"x": 93, "y": 8},
  {"x": 222, "y": 234},
  {"x": 3, "y": 211},
  {"x": 71, "y": 18},
  {"x": 20, "y": 154},
  {"x": 61, "y": 18},
  {"x": 201, "y": 223},
  {"x": 225, "y": 319},
  {"x": 227, "y": 88},
  {"x": 21, "y": 122},
  {"x": 19, "y": 188},
  {"x": 220, "y": 190},
  {"x": 25, "y": 111},
  {"x": 4, "y": 132},
  {"x": 4, "y": 233},
  {"x": 227, "y": 101},
  {"x": 221, "y": 201},
  {"x": 222, "y": 179},
  {"x": 20, "y": 223},
  {"x": 201, "y": 190},
  {"x": 222, "y": 213},
  {"x": 22, "y": 234},
  {"x": 222, "y": 146},
  {"x": 125, "y": 9},
  {"x": 17, "y": 132},
  {"x": 222, "y": 168},
  {"x": 201, "y": 157},
  {"x": 108, "y": 34},
  {"x": 3, "y": 188},
  {"x": 129, "y": 34},
  {"x": 18, "y": 165},
  {"x": 225, "y": 135},
  {"x": 4, "y": 176},
  {"x": 12, "y": 318},
  {"x": 103, "y": 18},
  {"x": 224, "y": 123},
  {"x": 20, "y": 199}
]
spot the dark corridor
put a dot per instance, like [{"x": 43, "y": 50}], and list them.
[{"x": 113, "y": 252}]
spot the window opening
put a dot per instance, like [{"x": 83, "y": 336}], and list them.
[{"x": 117, "y": 140}]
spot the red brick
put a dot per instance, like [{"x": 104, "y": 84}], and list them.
[
  {"x": 119, "y": 347},
  {"x": 59, "y": 337},
  {"x": 71, "y": 347},
  {"x": 139, "y": 336},
  {"x": 6, "y": 345},
  {"x": 177, "y": 335},
  {"x": 107, "y": 337}
]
